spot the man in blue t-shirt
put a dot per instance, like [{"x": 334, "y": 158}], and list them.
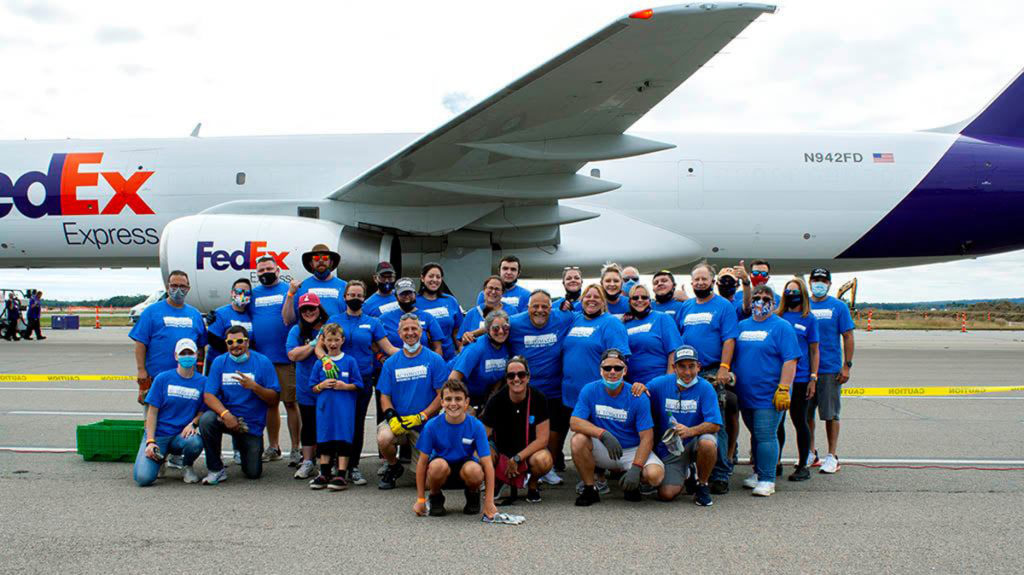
[
  {"x": 159, "y": 328},
  {"x": 834, "y": 323},
  {"x": 664, "y": 285},
  {"x": 614, "y": 430},
  {"x": 241, "y": 388},
  {"x": 235, "y": 313},
  {"x": 454, "y": 453},
  {"x": 322, "y": 262},
  {"x": 383, "y": 300},
  {"x": 409, "y": 383},
  {"x": 686, "y": 420},
  {"x": 514, "y": 295}
]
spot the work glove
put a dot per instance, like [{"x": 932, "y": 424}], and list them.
[
  {"x": 781, "y": 398},
  {"x": 612, "y": 445},
  {"x": 330, "y": 370},
  {"x": 631, "y": 480},
  {"x": 412, "y": 421},
  {"x": 394, "y": 422}
]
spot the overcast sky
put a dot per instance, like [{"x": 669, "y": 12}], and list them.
[{"x": 142, "y": 69}]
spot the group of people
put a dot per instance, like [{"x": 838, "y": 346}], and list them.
[
  {"x": 650, "y": 382},
  {"x": 11, "y": 317}
]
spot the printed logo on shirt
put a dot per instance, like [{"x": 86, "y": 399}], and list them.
[
  {"x": 800, "y": 327},
  {"x": 512, "y": 300},
  {"x": 407, "y": 373},
  {"x": 266, "y": 300},
  {"x": 467, "y": 441},
  {"x": 758, "y": 335},
  {"x": 542, "y": 340},
  {"x": 229, "y": 378},
  {"x": 494, "y": 364},
  {"x": 344, "y": 375},
  {"x": 670, "y": 312},
  {"x": 182, "y": 392},
  {"x": 609, "y": 412},
  {"x": 364, "y": 326},
  {"x": 681, "y": 405},
  {"x": 246, "y": 324},
  {"x": 701, "y": 318},
  {"x": 390, "y": 306},
  {"x": 618, "y": 316},
  {"x": 170, "y": 321},
  {"x": 438, "y": 312},
  {"x": 822, "y": 314},
  {"x": 329, "y": 293},
  {"x": 639, "y": 329},
  {"x": 581, "y": 331}
]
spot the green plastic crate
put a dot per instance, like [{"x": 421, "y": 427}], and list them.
[{"x": 110, "y": 439}]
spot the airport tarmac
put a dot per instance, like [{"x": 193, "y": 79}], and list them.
[{"x": 61, "y": 513}]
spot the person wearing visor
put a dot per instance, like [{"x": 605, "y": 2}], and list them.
[
  {"x": 473, "y": 324},
  {"x": 405, "y": 291},
  {"x": 835, "y": 325},
  {"x": 653, "y": 337},
  {"x": 171, "y": 425},
  {"x": 687, "y": 418},
  {"x": 481, "y": 365},
  {"x": 321, "y": 262},
  {"x": 434, "y": 300},
  {"x": 241, "y": 388},
  {"x": 767, "y": 352},
  {"x": 796, "y": 310},
  {"x": 572, "y": 282},
  {"x": 235, "y": 313},
  {"x": 613, "y": 429},
  {"x": 159, "y": 328},
  {"x": 513, "y": 295},
  {"x": 664, "y": 285},
  {"x": 383, "y": 300},
  {"x": 611, "y": 283},
  {"x": 303, "y": 342}
]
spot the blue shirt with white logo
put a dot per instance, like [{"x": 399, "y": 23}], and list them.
[
  {"x": 623, "y": 415},
  {"x": 806, "y": 329},
  {"x": 267, "y": 321},
  {"x": 706, "y": 326},
  {"x": 690, "y": 406},
  {"x": 542, "y": 348},
  {"x": 518, "y": 297},
  {"x": 431, "y": 330},
  {"x": 330, "y": 291},
  {"x": 584, "y": 343},
  {"x": 761, "y": 349},
  {"x": 412, "y": 382},
  {"x": 243, "y": 402},
  {"x": 159, "y": 328},
  {"x": 448, "y": 313},
  {"x": 303, "y": 394},
  {"x": 226, "y": 316},
  {"x": 833, "y": 320},
  {"x": 454, "y": 442},
  {"x": 361, "y": 332},
  {"x": 474, "y": 319},
  {"x": 177, "y": 399},
  {"x": 378, "y": 304},
  {"x": 671, "y": 307},
  {"x": 336, "y": 408},
  {"x": 482, "y": 366},
  {"x": 651, "y": 339},
  {"x": 620, "y": 307}
]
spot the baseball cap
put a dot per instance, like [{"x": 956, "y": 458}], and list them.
[
  {"x": 183, "y": 344},
  {"x": 385, "y": 267},
  {"x": 665, "y": 273},
  {"x": 821, "y": 273},
  {"x": 309, "y": 299},
  {"x": 404, "y": 285},
  {"x": 685, "y": 352}
]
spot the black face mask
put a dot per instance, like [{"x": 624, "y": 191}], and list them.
[
  {"x": 592, "y": 316},
  {"x": 665, "y": 297},
  {"x": 268, "y": 278},
  {"x": 702, "y": 293},
  {"x": 793, "y": 300},
  {"x": 612, "y": 298},
  {"x": 354, "y": 304},
  {"x": 508, "y": 285},
  {"x": 640, "y": 314},
  {"x": 407, "y": 306},
  {"x": 727, "y": 289},
  {"x": 385, "y": 287},
  {"x": 572, "y": 295}
]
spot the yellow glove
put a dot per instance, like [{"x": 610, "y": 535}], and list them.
[
  {"x": 396, "y": 426},
  {"x": 413, "y": 421},
  {"x": 781, "y": 398}
]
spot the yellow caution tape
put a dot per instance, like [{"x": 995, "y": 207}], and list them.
[
  {"x": 48, "y": 377},
  {"x": 926, "y": 391}
]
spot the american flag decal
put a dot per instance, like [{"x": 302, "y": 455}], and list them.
[{"x": 882, "y": 158}]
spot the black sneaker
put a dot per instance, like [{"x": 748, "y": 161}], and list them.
[
  {"x": 690, "y": 484},
  {"x": 632, "y": 495},
  {"x": 588, "y": 497},
  {"x": 778, "y": 470},
  {"x": 436, "y": 505},
  {"x": 801, "y": 473},
  {"x": 702, "y": 496},
  {"x": 533, "y": 496},
  {"x": 472, "y": 502},
  {"x": 560, "y": 463},
  {"x": 338, "y": 483},
  {"x": 319, "y": 482},
  {"x": 391, "y": 475},
  {"x": 719, "y": 487}
]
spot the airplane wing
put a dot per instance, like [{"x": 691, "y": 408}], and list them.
[{"x": 524, "y": 144}]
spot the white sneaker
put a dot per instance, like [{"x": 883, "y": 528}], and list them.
[
  {"x": 764, "y": 488},
  {"x": 305, "y": 470},
  {"x": 237, "y": 458},
  {"x": 189, "y": 475},
  {"x": 812, "y": 458},
  {"x": 830, "y": 464},
  {"x": 751, "y": 482},
  {"x": 551, "y": 478},
  {"x": 215, "y": 477}
]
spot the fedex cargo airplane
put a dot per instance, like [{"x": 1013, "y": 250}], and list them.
[{"x": 542, "y": 169}]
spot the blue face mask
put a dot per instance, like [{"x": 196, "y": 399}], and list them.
[
  {"x": 322, "y": 275},
  {"x": 611, "y": 385},
  {"x": 187, "y": 361},
  {"x": 411, "y": 348},
  {"x": 761, "y": 309},
  {"x": 239, "y": 358},
  {"x": 177, "y": 294},
  {"x": 819, "y": 289},
  {"x": 685, "y": 385}
]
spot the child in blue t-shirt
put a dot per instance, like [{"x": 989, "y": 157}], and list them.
[{"x": 335, "y": 383}]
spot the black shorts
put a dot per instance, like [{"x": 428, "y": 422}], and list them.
[
  {"x": 454, "y": 480},
  {"x": 308, "y": 433},
  {"x": 333, "y": 449},
  {"x": 558, "y": 415}
]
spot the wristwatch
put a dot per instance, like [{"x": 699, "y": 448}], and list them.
[
  {"x": 516, "y": 459},
  {"x": 848, "y": 364}
]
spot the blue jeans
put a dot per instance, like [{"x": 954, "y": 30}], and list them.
[
  {"x": 723, "y": 465},
  {"x": 763, "y": 425},
  {"x": 146, "y": 469}
]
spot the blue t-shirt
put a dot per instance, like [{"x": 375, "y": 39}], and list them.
[
  {"x": 159, "y": 328},
  {"x": 177, "y": 398},
  {"x": 833, "y": 320},
  {"x": 806, "y": 329},
  {"x": 378, "y": 304},
  {"x": 303, "y": 394},
  {"x": 454, "y": 442},
  {"x": 557, "y": 304},
  {"x": 226, "y": 316},
  {"x": 620, "y": 307},
  {"x": 706, "y": 326},
  {"x": 542, "y": 348},
  {"x": 481, "y": 365},
  {"x": 448, "y": 313},
  {"x": 34, "y": 308},
  {"x": 690, "y": 406},
  {"x": 361, "y": 331},
  {"x": 586, "y": 340},
  {"x": 474, "y": 319},
  {"x": 336, "y": 408},
  {"x": 623, "y": 415},
  {"x": 671, "y": 307},
  {"x": 518, "y": 297},
  {"x": 431, "y": 330},
  {"x": 412, "y": 382},
  {"x": 331, "y": 293},
  {"x": 267, "y": 321},
  {"x": 650, "y": 341},
  {"x": 240, "y": 401},
  {"x": 761, "y": 349}
]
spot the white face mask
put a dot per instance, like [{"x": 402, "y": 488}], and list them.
[
  {"x": 683, "y": 384},
  {"x": 411, "y": 348}
]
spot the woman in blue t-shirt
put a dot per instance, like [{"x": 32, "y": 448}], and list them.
[
  {"x": 481, "y": 365},
  {"x": 473, "y": 324},
  {"x": 301, "y": 345},
  {"x": 653, "y": 337},
  {"x": 765, "y": 363},
  {"x": 434, "y": 299},
  {"x": 796, "y": 309},
  {"x": 611, "y": 283}
]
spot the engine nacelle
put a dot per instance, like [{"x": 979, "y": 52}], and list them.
[{"x": 217, "y": 249}]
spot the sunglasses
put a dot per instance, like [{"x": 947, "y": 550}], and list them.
[
  {"x": 759, "y": 274},
  {"x": 236, "y": 341},
  {"x": 240, "y": 291},
  {"x": 764, "y": 299},
  {"x": 516, "y": 375},
  {"x": 613, "y": 368},
  {"x": 309, "y": 308},
  {"x": 178, "y": 286},
  {"x": 321, "y": 258},
  {"x": 640, "y": 297},
  {"x": 571, "y": 269},
  {"x": 499, "y": 328}
]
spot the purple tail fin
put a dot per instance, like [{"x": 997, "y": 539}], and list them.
[{"x": 1004, "y": 116}]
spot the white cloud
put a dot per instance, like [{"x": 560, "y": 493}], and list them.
[{"x": 118, "y": 35}]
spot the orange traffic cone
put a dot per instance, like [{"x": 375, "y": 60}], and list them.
[
  {"x": 97, "y": 326},
  {"x": 869, "y": 319},
  {"x": 963, "y": 323}
]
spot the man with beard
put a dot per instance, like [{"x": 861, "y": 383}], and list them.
[{"x": 322, "y": 262}]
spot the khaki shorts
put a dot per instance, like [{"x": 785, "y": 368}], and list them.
[
  {"x": 408, "y": 438},
  {"x": 286, "y": 379},
  {"x": 603, "y": 459}
]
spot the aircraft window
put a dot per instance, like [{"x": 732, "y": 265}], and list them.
[
  {"x": 596, "y": 173},
  {"x": 240, "y": 178},
  {"x": 309, "y": 212}
]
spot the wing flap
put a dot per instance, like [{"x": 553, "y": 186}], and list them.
[{"x": 577, "y": 148}]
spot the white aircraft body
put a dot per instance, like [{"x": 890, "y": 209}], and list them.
[{"x": 543, "y": 169}]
